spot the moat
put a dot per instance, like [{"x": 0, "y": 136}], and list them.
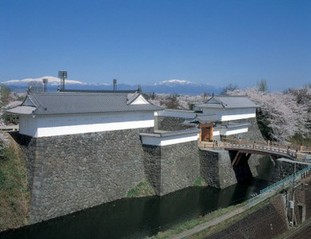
[{"x": 139, "y": 217}]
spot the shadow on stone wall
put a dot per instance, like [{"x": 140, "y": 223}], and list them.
[
  {"x": 216, "y": 169},
  {"x": 172, "y": 167}
]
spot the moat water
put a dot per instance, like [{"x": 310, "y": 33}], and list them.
[{"x": 138, "y": 217}]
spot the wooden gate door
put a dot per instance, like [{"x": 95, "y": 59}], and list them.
[{"x": 206, "y": 132}]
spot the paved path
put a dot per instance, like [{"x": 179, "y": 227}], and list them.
[{"x": 211, "y": 223}]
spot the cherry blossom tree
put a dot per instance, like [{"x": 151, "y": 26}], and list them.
[{"x": 285, "y": 114}]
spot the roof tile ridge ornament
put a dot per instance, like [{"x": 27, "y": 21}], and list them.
[
  {"x": 217, "y": 100},
  {"x": 207, "y": 100}
]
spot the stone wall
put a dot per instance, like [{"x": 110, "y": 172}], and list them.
[
  {"x": 173, "y": 167},
  {"x": 303, "y": 199},
  {"x": 74, "y": 172},
  {"x": 152, "y": 166},
  {"x": 253, "y": 134},
  {"x": 180, "y": 166},
  {"x": 216, "y": 168},
  {"x": 282, "y": 170},
  {"x": 169, "y": 123}
]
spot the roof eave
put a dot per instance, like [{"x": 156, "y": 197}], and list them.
[
  {"x": 95, "y": 112},
  {"x": 22, "y": 110}
]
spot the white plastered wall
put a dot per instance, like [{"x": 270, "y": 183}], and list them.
[
  {"x": 52, "y": 125},
  {"x": 232, "y": 114},
  {"x": 169, "y": 140}
]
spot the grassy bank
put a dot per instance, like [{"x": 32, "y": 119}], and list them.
[
  {"x": 14, "y": 193},
  {"x": 179, "y": 228},
  {"x": 143, "y": 189},
  {"x": 229, "y": 222},
  {"x": 188, "y": 225}
]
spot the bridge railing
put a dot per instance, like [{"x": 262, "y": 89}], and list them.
[
  {"x": 262, "y": 146},
  {"x": 305, "y": 149}
]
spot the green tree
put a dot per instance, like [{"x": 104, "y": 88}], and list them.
[{"x": 10, "y": 118}]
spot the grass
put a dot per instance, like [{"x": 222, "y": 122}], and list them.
[
  {"x": 179, "y": 228},
  {"x": 199, "y": 182},
  {"x": 14, "y": 192},
  {"x": 143, "y": 189},
  {"x": 229, "y": 222}
]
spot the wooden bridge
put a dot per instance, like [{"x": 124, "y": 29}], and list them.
[{"x": 300, "y": 153}]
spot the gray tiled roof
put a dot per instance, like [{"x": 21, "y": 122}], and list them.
[
  {"x": 229, "y": 102},
  {"x": 23, "y": 110},
  {"x": 79, "y": 102}
]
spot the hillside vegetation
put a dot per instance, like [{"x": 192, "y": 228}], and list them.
[{"x": 14, "y": 192}]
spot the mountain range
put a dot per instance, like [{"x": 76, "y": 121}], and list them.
[{"x": 173, "y": 86}]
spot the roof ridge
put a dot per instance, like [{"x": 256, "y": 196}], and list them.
[
  {"x": 217, "y": 100},
  {"x": 100, "y": 91},
  {"x": 84, "y": 102}
]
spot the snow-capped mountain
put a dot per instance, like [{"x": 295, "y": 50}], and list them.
[
  {"x": 181, "y": 87},
  {"x": 173, "y": 86},
  {"x": 53, "y": 83},
  {"x": 174, "y": 82},
  {"x": 51, "y": 80}
]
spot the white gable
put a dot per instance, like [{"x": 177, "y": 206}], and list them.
[
  {"x": 140, "y": 100},
  {"x": 214, "y": 101}
]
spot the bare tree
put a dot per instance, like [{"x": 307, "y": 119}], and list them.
[
  {"x": 229, "y": 88},
  {"x": 262, "y": 85}
]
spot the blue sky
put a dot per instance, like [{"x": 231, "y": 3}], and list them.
[{"x": 146, "y": 41}]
